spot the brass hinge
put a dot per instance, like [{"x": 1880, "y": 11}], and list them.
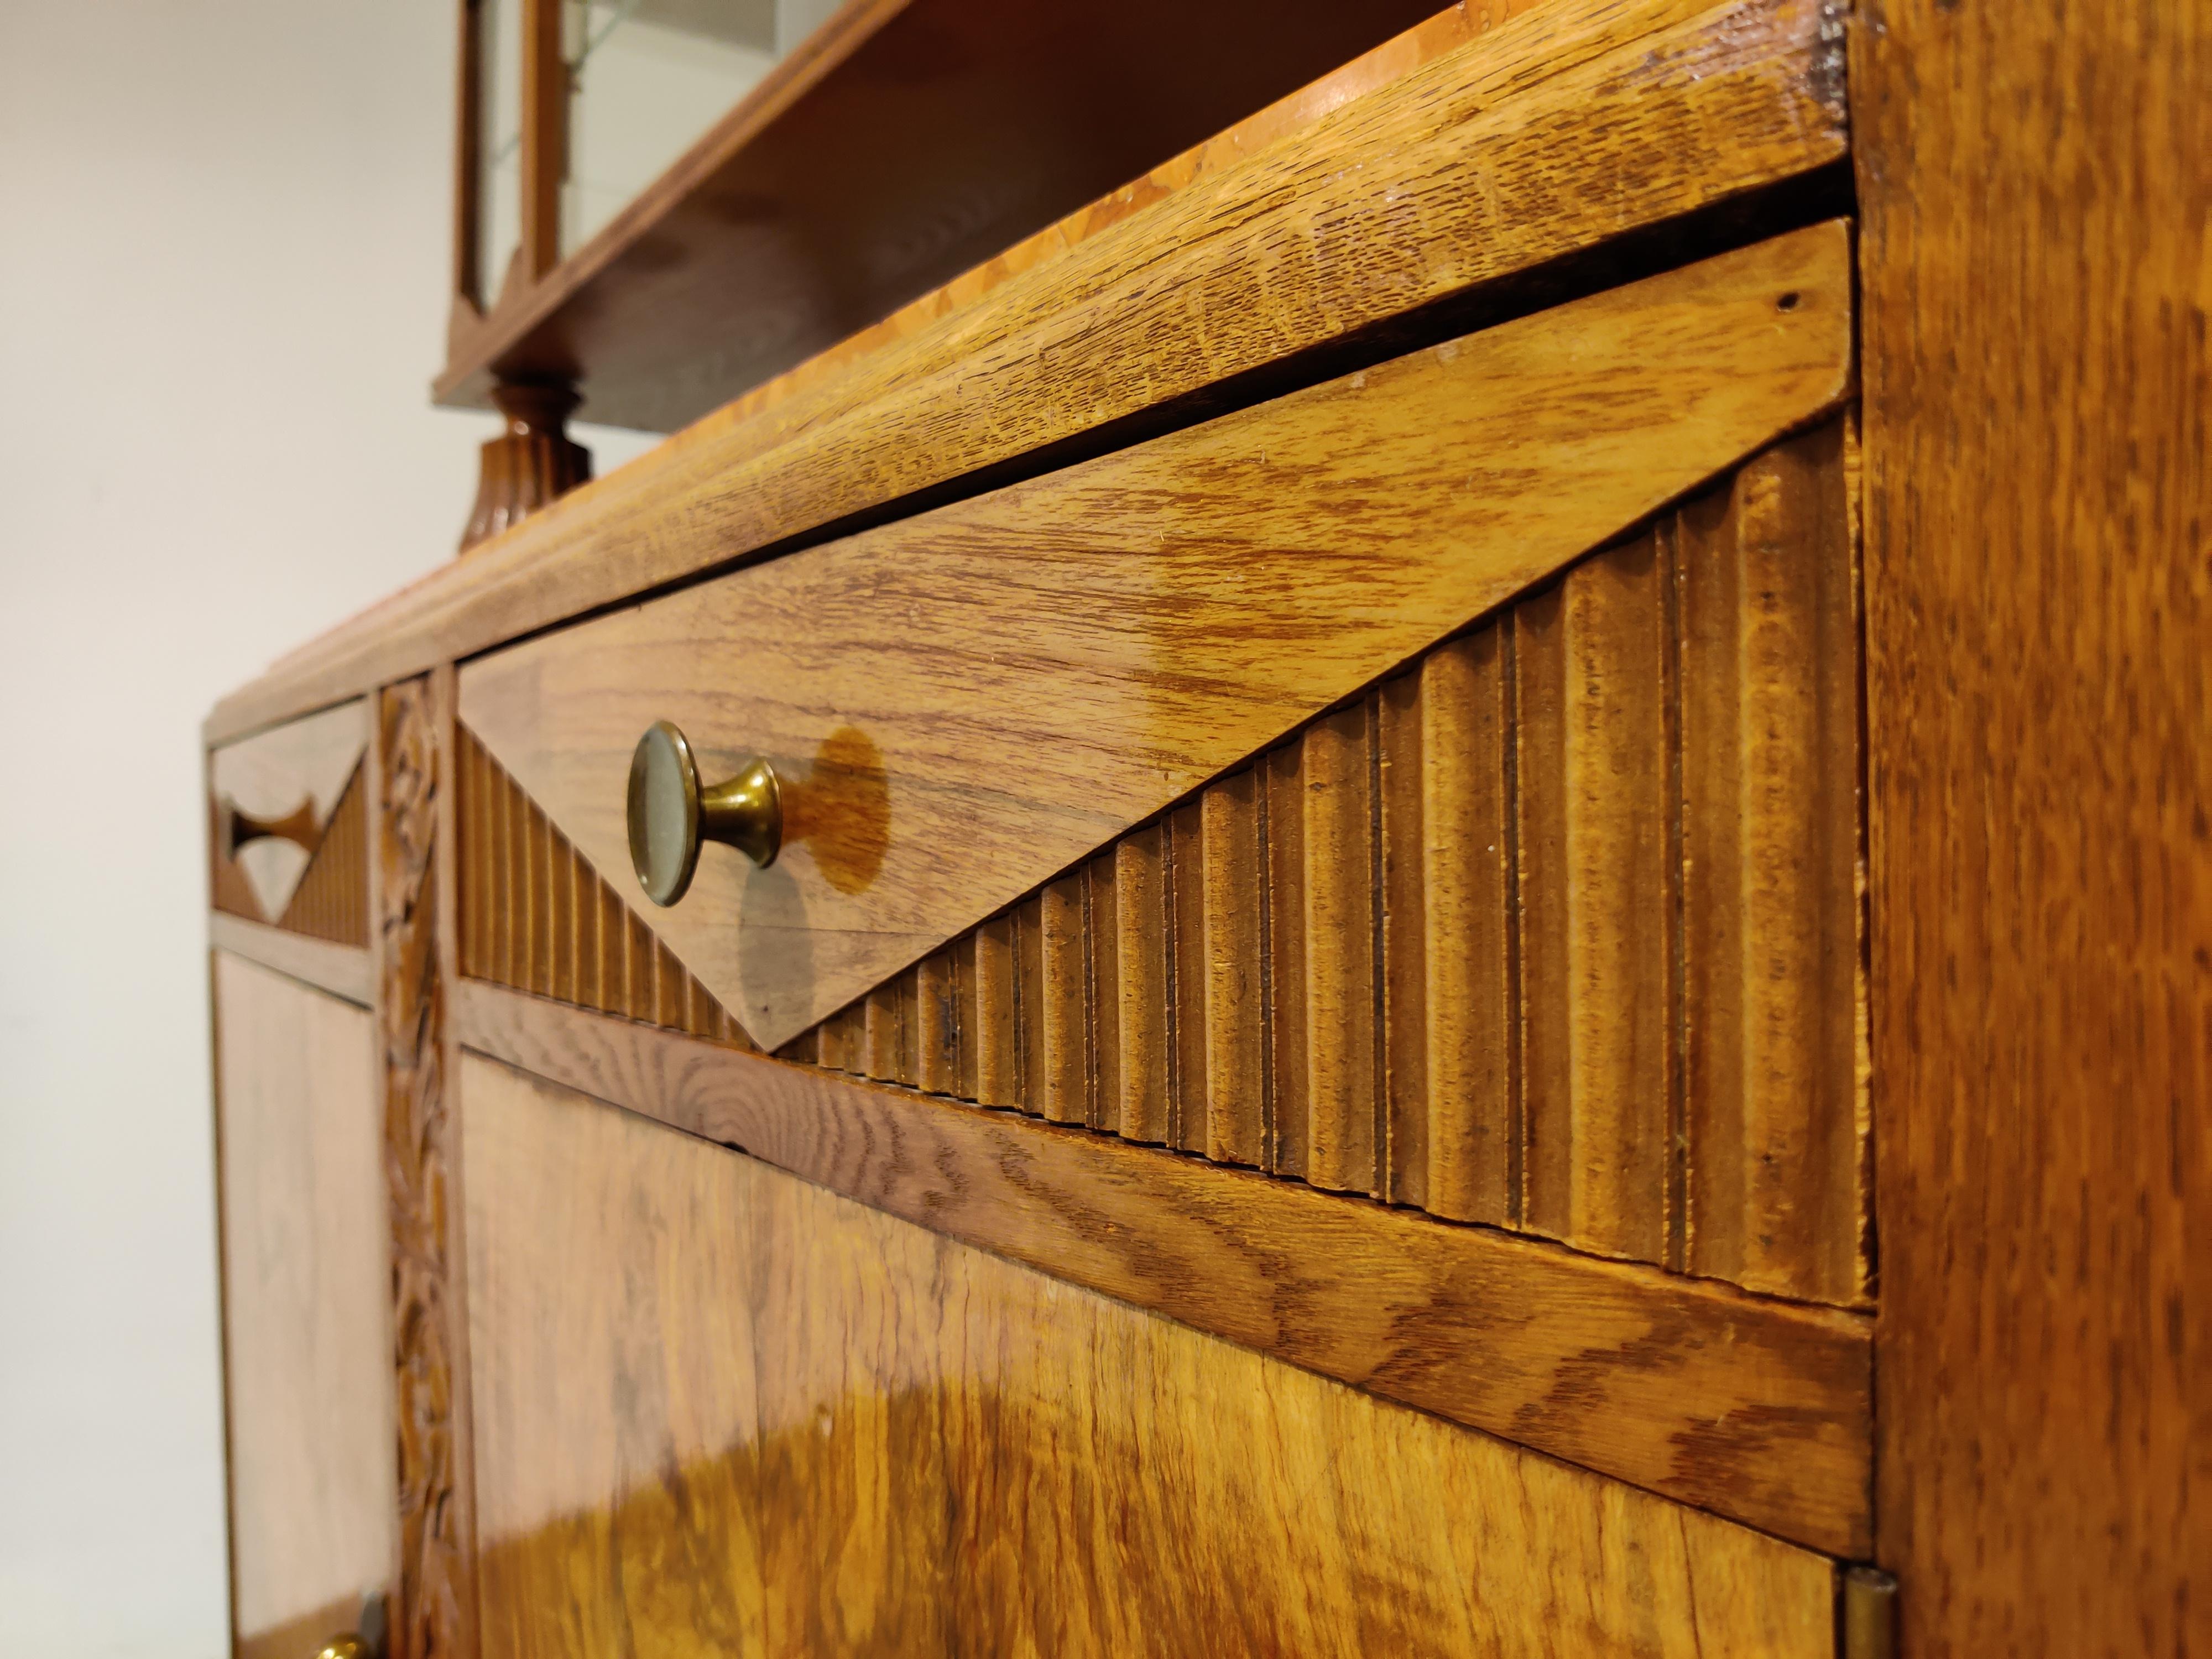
[{"x": 1866, "y": 1614}]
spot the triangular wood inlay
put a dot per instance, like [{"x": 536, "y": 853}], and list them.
[{"x": 331, "y": 901}]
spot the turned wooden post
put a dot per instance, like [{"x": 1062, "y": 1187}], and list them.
[{"x": 529, "y": 464}]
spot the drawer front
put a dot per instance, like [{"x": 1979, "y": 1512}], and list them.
[
  {"x": 288, "y": 826},
  {"x": 964, "y": 704}
]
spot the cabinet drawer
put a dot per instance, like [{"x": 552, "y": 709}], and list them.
[
  {"x": 962, "y": 704},
  {"x": 287, "y": 826}
]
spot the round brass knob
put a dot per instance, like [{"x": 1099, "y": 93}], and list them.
[
  {"x": 365, "y": 1643},
  {"x": 670, "y": 815}
]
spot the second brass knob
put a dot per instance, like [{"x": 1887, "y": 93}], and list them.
[{"x": 671, "y": 815}]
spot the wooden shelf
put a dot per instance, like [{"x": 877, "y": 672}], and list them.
[{"x": 901, "y": 145}]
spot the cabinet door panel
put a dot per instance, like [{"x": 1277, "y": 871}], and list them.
[
  {"x": 307, "y": 1308},
  {"x": 720, "y": 1409}
]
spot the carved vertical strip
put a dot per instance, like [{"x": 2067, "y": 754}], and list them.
[
  {"x": 1599, "y": 1035},
  {"x": 561, "y": 908},
  {"x": 1339, "y": 951},
  {"x": 1102, "y": 994},
  {"x": 1186, "y": 907},
  {"x": 1400, "y": 769},
  {"x": 937, "y": 1024},
  {"x": 994, "y": 1026},
  {"x": 1539, "y": 737},
  {"x": 884, "y": 1043},
  {"x": 841, "y": 1039},
  {"x": 908, "y": 1065},
  {"x": 1470, "y": 1082},
  {"x": 1233, "y": 873},
  {"x": 967, "y": 1014},
  {"x": 1062, "y": 954},
  {"x": 1140, "y": 984},
  {"x": 1028, "y": 1003},
  {"x": 416, "y": 867},
  {"x": 1285, "y": 911},
  {"x": 1770, "y": 722}
]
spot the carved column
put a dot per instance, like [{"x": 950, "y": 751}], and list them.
[
  {"x": 435, "y": 1612},
  {"x": 529, "y": 464}
]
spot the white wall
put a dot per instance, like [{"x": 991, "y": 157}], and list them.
[{"x": 222, "y": 252}]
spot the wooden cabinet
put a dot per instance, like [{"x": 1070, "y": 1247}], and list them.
[{"x": 1382, "y": 1001}]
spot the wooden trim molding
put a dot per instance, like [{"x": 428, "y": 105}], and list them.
[
  {"x": 2038, "y": 601},
  {"x": 1439, "y": 185},
  {"x": 344, "y": 970},
  {"x": 435, "y": 1614},
  {"x": 1757, "y": 1410}
]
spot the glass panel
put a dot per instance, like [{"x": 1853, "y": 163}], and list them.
[
  {"x": 499, "y": 144},
  {"x": 647, "y": 77}
]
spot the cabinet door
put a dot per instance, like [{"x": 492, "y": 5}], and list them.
[
  {"x": 307, "y": 1309},
  {"x": 721, "y": 1409}
]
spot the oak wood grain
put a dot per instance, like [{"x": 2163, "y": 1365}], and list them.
[
  {"x": 1439, "y": 181},
  {"x": 725, "y": 1410},
  {"x": 1596, "y": 889},
  {"x": 434, "y": 1610},
  {"x": 307, "y": 1299},
  {"x": 344, "y": 970},
  {"x": 1774, "y": 1071},
  {"x": 1043, "y": 666},
  {"x": 2038, "y": 606},
  {"x": 1757, "y": 1410}
]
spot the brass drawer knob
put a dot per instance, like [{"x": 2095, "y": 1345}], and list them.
[
  {"x": 670, "y": 815},
  {"x": 366, "y": 1642}
]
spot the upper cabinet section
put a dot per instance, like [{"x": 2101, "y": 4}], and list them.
[{"x": 662, "y": 203}]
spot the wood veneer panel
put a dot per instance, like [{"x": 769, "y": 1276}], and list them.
[
  {"x": 1441, "y": 180},
  {"x": 1755, "y": 1409},
  {"x": 344, "y": 970},
  {"x": 306, "y": 1302},
  {"x": 2037, "y": 380},
  {"x": 1129, "y": 626},
  {"x": 815, "y": 1427}
]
